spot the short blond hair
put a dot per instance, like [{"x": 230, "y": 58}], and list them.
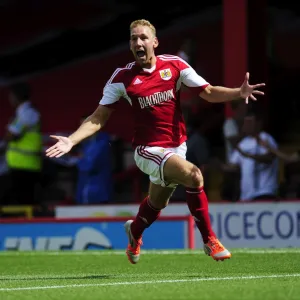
[{"x": 143, "y": 22}]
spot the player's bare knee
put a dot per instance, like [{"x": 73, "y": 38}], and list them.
[
  {"x": 158, "y": 204},
  {"x": 196, "y": 178},
  {"x": 159, "y": 196}
]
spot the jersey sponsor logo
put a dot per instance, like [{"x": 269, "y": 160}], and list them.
[
  {"x": 165, "y": 74},
  {"x": 156, "y": 98}
]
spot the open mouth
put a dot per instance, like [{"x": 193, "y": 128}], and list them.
[{"x": 140, "y": 53}]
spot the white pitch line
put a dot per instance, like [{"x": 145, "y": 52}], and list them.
[
  {"x": 148, "y": 282},
  {"x": 148, "y": 252},
  {"x": 84, "y": 276}
]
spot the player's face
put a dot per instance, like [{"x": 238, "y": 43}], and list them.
[{"x": 142, "y": 45}]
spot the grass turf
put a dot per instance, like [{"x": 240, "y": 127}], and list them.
[{"x": 249, "y": 274}]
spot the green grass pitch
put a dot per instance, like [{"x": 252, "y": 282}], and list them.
[{"x": 250, "y": 274}]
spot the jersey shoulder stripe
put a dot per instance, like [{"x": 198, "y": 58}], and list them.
[
  {"x": 169, "y": 56},
  {"x": 118, "y": 70},
  {"x": 166, "y": 57},
  {"x": 130, "y": 65}
]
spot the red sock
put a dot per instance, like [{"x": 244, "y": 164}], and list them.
[
  {"x": 144, "y": 218},
  {"x": 198, "y": 205}
]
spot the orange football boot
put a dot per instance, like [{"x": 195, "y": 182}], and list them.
[
  {"x": 216, "y": 250},
  {"x": 133, "y": 250}
]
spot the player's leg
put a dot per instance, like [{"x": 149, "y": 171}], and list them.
[
  {"x": 150, "y": 208},
  {"x": 149, "y": 211},
  {"x": 178, "y": 170}
]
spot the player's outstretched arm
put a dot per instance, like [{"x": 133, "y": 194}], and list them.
[
  {"x": 217, "y": 94},
  {"x": 90, "y": 126}
]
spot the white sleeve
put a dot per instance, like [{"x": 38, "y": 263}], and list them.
[
  {"x": 112, "y": 92},
  {"x": 190, "y": 78},
  {"x": 272, "y": 142},
  {"x": 235, "y": 158},
  {"x": 230, "y": 128}
]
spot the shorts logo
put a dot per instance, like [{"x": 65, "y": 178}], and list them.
[{"x": 165, "y": 74}]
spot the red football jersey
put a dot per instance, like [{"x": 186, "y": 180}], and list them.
[{"x": 154, "y": 95}]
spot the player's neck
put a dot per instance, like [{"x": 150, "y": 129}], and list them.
[{"x": 150, "y": 64}]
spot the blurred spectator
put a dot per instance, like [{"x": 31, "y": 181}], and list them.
[
  {"x": 94, "y": 182},
  {"x": 23, "y": 145},
  {"x": 187, "y": 51},
  {"x": 287, "y": 158},
  {"x": 232, "y": 127},
  {"x": 258, "y": 165},
  {"x": 94, "y": 169},
  {"x": 4, "y": 176},
  {"x": 232, "y": 132},
  {"x": 290, "y": 188}
]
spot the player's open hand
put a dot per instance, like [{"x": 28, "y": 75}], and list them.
[
  {"x": 248, "y": 90},
  {"x": 63, "y": 146}
]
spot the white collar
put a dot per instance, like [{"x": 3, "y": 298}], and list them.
[{"x": 150, "y": 70}]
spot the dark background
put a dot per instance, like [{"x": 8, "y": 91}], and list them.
[{"x": 68, "y": 49}]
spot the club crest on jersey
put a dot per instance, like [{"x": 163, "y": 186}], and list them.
[{"x": 165, "y": 74}]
